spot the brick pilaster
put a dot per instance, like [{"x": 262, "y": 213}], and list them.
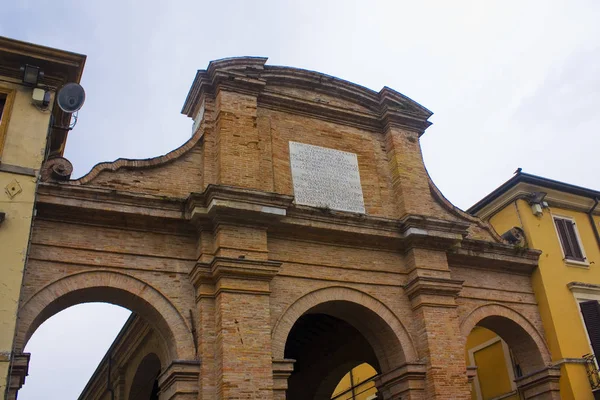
[
  {"x": 233, "y": 296},
  {"x": 410, "y": 182},
  {"x": 432, "y": 293},
  {"x": 237, "y": 139}
]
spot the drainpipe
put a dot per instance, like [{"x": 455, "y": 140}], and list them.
[{"x": 591, "y": 217}]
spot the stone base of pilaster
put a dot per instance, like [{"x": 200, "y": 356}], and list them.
[{"x": 540, "y": 385}]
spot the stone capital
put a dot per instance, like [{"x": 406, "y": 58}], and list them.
[
  {"x": 433, "y": 291},
  {"x": 542, "y": 384},
  {"x": 404, "y": 382},
  {"x": 18, "y": 372},
  {"x": 282, "y": 369},
  {"x": 471, "y": 373},
  {"x": 179, "y": 380}
]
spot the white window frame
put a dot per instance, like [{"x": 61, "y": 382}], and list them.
[
  {"x": 569, "y": 261},
  {"x": 583, "y": 294},
  {"x": 507, "y": 360}
]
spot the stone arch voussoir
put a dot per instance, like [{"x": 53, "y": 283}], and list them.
[
  {"x": 305, "y": 303},
  {"x": 109, "y": 287}
]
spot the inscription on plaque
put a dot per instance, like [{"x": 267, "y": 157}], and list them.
[{"x": 325, "y": 177}]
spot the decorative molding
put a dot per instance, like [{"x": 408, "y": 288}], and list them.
[
  {"x": 406, "y": 378},
  {"x": 282, "y": 369},
  {"x": 16, "y": 169},
  {"x": 490, "y": 255},
  {"x": 126, "y": 163},
  {"x": 582, "y": 287},
  {"x": 444, "y": 202},
  {"x": 19, "y": 370},
  {"x": 56, "y": 169},
  {"x": 237, "y": 268},
  {"x": 424, "y": 285},
  {"x": 179, "y": 378},
  {"x": 542, "y": 382},
  {"x": 570, "y": 361},
  {"x": 250, "y": 75}
]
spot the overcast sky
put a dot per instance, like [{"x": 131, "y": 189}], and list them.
[{"x": 512, "y": 84}]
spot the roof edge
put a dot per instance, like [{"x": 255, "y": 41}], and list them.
[{"x": 522, "y": 177}]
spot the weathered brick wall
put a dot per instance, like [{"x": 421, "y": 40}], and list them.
[{"x": 207, "y": 245}]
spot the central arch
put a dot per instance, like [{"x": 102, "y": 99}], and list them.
[
  {"x": 397, "y": 333},
  {"x": 107, "y": 287},
  {"x": 330, "y": 331}
]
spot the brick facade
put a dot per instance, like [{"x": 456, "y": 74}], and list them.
[{"x": 207, "y": 246}]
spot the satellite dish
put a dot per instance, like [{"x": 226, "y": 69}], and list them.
[{"x": 70, "y": 97}]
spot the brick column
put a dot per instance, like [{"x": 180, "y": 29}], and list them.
[
  {"x": 540, "y": 385},
  {"x": 406, "y": 382},
  {"x": 433, "y": 297}
]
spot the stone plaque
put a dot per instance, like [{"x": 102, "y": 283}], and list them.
[{"x": 325, "y": 177}]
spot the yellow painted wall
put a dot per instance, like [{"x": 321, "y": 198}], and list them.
[
  {"x": 23, "y": 147},
  {"x": 363, "y": 390},
  {"x": 492, "y": 372},
  {"x": 559, "y": 310}
]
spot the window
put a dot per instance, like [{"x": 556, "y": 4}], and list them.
[
  {"x": 6, "y": 101},
  {"x": 2, "y": 104},
  {"x": 569, "y": 239},
  {"x": 591, "y": 316}
]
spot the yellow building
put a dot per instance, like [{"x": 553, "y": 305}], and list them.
[
  {"x": 358, "y": 384},
  {"x": 31, "y": 128},
  {"x": 562, "y": 221}
]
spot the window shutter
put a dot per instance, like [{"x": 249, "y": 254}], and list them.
[
  {"x": 591, "y": 316},
  {"x": 563, "y": 236},
  {"x": 568, "y": 239},
  {"x": 577, "y": 253}
]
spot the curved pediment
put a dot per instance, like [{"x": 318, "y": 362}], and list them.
[{"x": 308, "y": 92}]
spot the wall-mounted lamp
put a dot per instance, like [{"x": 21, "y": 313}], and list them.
[
  {"x": 31, "y": 75},
  {"x": 537, "y": 203}
]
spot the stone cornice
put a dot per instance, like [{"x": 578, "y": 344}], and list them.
[
  {"x": 489, "y": 255},
  {"x": 218, "y": 204},
  {"x": 250, "y": 75}
]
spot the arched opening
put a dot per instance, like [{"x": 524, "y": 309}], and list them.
[
  {"x": 145, "y": 382},
  {"x": 330, "y": 340},
  {"x": 113, "y": 288},
  {"x": 499, "y": 351},
  {"x": 67, "y": 348},
  {"x": 173, "y": 339}
]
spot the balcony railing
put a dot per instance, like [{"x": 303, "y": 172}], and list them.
[{"x": 591, "y": 367}]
